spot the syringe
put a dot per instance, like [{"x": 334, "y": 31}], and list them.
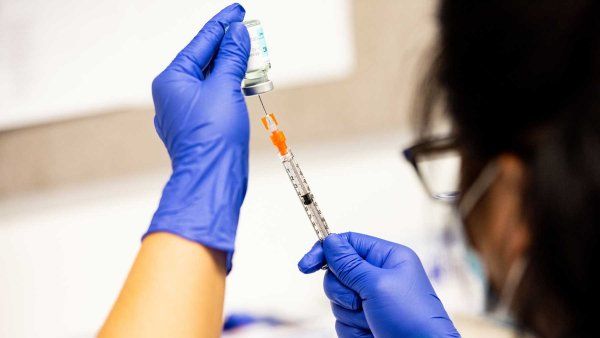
[{"x": 295, "y": 174}]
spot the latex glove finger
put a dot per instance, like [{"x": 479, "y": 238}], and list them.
[
  {"x": 345, "y": 331},
  {"x": 195, "y": 57},
  {"x": 313, "y": 260},
  {"x": 232, "y": 59},
  {"x": 378, "y": 252},
  {"x": 339, "y": 294},
  {"x": 374, "y": 250},
  {"x": 350, "y": 317},
  {"x": 347, "y": 265}
]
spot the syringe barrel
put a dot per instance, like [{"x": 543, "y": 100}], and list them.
[
  {"x": 305, "y": 195},
  {"x": 296, "y": 177}
]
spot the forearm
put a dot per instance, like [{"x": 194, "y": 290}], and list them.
[
  {"x": 176, "y": 285},
  {"x": 174, "y": 289}
]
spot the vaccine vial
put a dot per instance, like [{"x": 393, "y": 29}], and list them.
[{"x": 256, "y": 81}]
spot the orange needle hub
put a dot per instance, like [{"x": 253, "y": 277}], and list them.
[{"x": 277, "y": 136}]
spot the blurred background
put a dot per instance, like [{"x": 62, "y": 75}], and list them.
[{"x": 81, "y": 169}]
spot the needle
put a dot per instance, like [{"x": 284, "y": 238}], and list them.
[{"x": 262, "y": 104}]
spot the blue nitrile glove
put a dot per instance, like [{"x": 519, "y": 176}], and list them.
[
  {"x": 377, "y": 288},
  {"x": 202, "y": 119}
]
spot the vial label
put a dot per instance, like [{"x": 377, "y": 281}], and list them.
[{"x": 259, "y": 54}]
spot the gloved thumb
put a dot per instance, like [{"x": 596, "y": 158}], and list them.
[
  {"x": 196, "y": 56},
  {"x": 345, "y": 263},
  {"x": 232, "y": 59}
]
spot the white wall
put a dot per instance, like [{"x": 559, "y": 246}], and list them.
[{"x": 63, "y": 58}]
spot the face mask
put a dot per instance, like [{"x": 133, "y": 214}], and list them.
[{"x": 497, "y": 305}]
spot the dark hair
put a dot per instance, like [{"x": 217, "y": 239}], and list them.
[{"x": 523, "y": 77}]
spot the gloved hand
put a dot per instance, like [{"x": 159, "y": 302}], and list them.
[
  {"x": 202, "y": 119},
  {"x": 377, "y": 288}
]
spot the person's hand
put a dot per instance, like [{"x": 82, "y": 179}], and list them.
[
  {"x": 377, "y": 288},
  {"x": 202, "y": 119}
]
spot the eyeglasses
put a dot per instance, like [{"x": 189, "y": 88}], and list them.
[{"x": 437, "y": 163}]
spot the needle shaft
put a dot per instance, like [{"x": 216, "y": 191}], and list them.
[{"x": 262, "y": 104}]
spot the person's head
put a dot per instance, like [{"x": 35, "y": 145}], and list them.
[{"x": 520, "y": 84}]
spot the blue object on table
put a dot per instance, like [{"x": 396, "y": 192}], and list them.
[{"x": 237, "y": 320}]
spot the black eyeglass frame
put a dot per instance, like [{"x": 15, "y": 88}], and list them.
[{"x": 428, "y": 146}]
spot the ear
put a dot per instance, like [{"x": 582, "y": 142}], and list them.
[{"x": 509, "y": 193}]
